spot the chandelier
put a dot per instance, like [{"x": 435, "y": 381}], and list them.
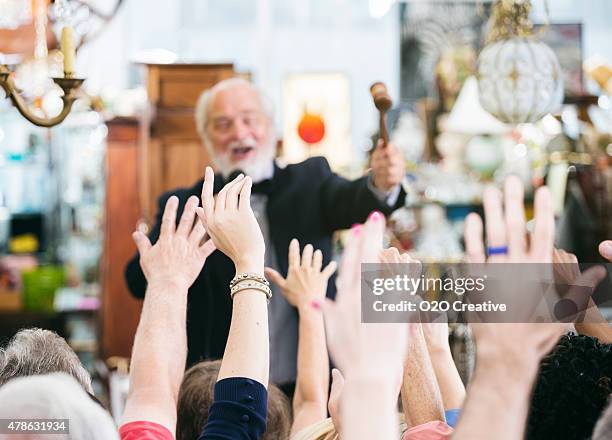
[
  {"x": 67, "y": 83},
  {"x": 519, "y": 77}
]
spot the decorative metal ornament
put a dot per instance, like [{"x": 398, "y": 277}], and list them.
[{"x": 519, "y": 77}]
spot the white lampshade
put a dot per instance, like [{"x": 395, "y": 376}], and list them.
[
  {"x": 468, "y": 116},
  {"x": 519, "y": 80}
]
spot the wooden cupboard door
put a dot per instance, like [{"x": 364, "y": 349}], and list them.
[
  {"x": 120, "y": 311},
  {"x": 180, "y": 85},
  {"x": 172, "y": 155},
  {"x": 183, "y": 164}
]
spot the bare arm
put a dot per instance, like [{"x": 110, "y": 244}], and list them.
[
  {"x": 247, "y": 350},
  {"x": 508, "y": 355},
  {"x": 232, "y": 226},
  {"x": 160, "y": 340},
  {"x": 497, "y": 399},
  {"x": 305, "y": 288},
  {"x": 160, "y": 345},
  {"x": 371, "y": 356},
  {"x": 369, "y": 404},
  {"x": 421, "y": 396},
  {"x": 449, "y": 381},
  {"x": 312, "y": 384}
]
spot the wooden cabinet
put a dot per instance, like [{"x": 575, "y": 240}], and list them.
[
  {"x": 171, "y": 152},
  {"x": 120, "y": 311}
]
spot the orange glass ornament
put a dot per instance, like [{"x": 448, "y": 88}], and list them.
[{"x": 311, "y": 128}]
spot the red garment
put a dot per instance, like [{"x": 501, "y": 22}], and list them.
[
  {"x": 429, "y": 431},
  {"x": 142, "y": 430}
]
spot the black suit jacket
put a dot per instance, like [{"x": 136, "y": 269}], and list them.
[{"x": 307, "y": 201}]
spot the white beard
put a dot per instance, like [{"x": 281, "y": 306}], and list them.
[{"x": 259, "y": 167}]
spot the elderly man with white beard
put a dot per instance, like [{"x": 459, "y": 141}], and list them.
[{"x": 306, "y": 201}]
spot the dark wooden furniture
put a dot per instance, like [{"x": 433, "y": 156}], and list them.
[
  {"x": 120, "y": 312},
  {"x": 171, "y": 152}
]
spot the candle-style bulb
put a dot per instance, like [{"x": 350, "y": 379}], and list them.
[{"x": 68, "y": 50}]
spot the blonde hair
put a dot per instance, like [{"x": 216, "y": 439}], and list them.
[{"x": 325, "y": 430}]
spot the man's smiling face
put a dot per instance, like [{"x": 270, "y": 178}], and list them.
[{"x": 238, "y": 130}]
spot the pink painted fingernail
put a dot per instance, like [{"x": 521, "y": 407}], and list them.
[
  {"x": 375, "y": 216},
  {"x": 316, "y": 304},
  {"x": 356, "y": 229},
  {"x": 606, "y": 249}
]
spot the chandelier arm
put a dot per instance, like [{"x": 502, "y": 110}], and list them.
[
  {"x": 69, "y": 86},
  {"x": 104, "y": 16}
]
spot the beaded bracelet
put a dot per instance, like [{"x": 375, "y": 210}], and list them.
[
  {"x": 250, "y": 284},
  {"x": 248, "y": 276}
]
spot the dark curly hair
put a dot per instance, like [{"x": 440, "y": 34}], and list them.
[{"x": 572, "y": 389}]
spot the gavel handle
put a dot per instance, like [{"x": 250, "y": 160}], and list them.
[{"x": 384, "y": 134}]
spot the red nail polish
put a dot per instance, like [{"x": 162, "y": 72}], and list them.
[{"x": 356, "y": 230}]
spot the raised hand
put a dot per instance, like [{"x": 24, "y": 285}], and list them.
[
  {"x": 370, "y": 355},
  {"x": 392, "y": 256},
  {"x": 230, "y": 222},
  {"x": 505, "y": 229},
  {"x": 178, "y": 256},
  {"x": 351, "y": 342},
  {"x": 506, "y": 236},
  {"x": 170, "y": 266},
  {"x": 305, "y": 281},
  {"x": 388, "y": 167}
]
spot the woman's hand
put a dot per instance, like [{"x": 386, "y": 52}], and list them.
[
  {"x": 305, "y": 281},
  {"x": 505, "y": 228},
  {"x": 231, "y": 224},
  {"x": 355, "y": 345}
]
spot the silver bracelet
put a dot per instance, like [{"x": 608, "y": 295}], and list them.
[{"x": 249, "y": 284}]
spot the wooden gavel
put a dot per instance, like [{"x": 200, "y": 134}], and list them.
[{"x": 383, "y": 102}]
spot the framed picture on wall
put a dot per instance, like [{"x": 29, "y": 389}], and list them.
[
  {"x": 317, "y": 118},
  {"x": 566, "y": 40}
]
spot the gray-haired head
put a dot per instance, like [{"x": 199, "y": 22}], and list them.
[
  {"x": 203, "y": 104},
  {"x": 57, "y": 396},
  {"x": 37, "y": 351},
  {"x": 235, "y": 121}
]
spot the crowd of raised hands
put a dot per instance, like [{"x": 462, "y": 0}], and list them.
[{"x": 376, "y": 364}]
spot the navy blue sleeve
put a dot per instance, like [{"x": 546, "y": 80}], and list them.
[{"x": 238, "y": 411}]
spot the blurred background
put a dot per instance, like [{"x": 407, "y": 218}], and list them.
[{"x": 71, "y": 194}]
